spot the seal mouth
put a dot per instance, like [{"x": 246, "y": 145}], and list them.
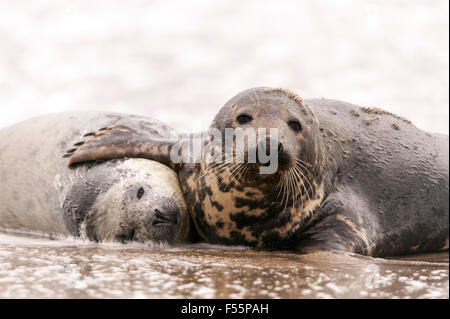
[
  {"x": 127, "y": 236},
  {"x": 254, "y": 169}
]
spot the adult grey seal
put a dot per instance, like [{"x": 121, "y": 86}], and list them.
[
  {"x": 120, "y": 200},
  {"x": 349, "y": 178}
]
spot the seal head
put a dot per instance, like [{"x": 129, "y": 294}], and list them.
[
  {"x": 130, "y": 200},
  {"x": 238, "y": 204}
]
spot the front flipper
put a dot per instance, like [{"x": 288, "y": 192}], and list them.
[
  {"x": 119, "y": 141},
  {"x": 344, "y": 223}
]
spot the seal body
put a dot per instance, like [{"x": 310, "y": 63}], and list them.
[
  {"x": 119, "y": 200},
  {"x": 350, "y": 178}
]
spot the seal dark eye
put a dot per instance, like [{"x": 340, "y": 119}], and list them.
[
  {"x": 244, "y": 119},
  {"x": 140, "y": 193},
  {"x": 295, "y": 125}
]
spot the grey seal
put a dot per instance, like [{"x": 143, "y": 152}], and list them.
[{"x": 119, "y": 200}]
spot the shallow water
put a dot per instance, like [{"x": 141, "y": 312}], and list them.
[{"x": 33, "y": 267}]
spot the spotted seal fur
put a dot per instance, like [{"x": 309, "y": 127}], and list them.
[
  {"x": 350, "y": 178},
  {"x": 120, "y": 200}
]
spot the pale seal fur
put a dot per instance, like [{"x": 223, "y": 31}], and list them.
[{"x": 118, "y": 200}]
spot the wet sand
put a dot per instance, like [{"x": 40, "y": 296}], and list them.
[{"x": 33, "y": 267}]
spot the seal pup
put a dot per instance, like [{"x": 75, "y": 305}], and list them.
[
  {"x": 350, "y": 178},
  {"x": 120, "y": 200}
]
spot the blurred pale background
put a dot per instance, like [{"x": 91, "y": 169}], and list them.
[{"x": 180, "y": 61}]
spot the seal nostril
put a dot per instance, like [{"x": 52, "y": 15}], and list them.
[
  {"x": 140, "y": 193},
  {"x": 280, "y": 148},
  {"x": 159, "y": 214},
  {"x": 283, "y": 155},
  {"x": 162, "y": 219}
]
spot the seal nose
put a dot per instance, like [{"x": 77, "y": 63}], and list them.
[
  {"x": 283, "y": 155},
  {"x": 169, "y": 217},
  {"x": 264, "y": 146}
]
